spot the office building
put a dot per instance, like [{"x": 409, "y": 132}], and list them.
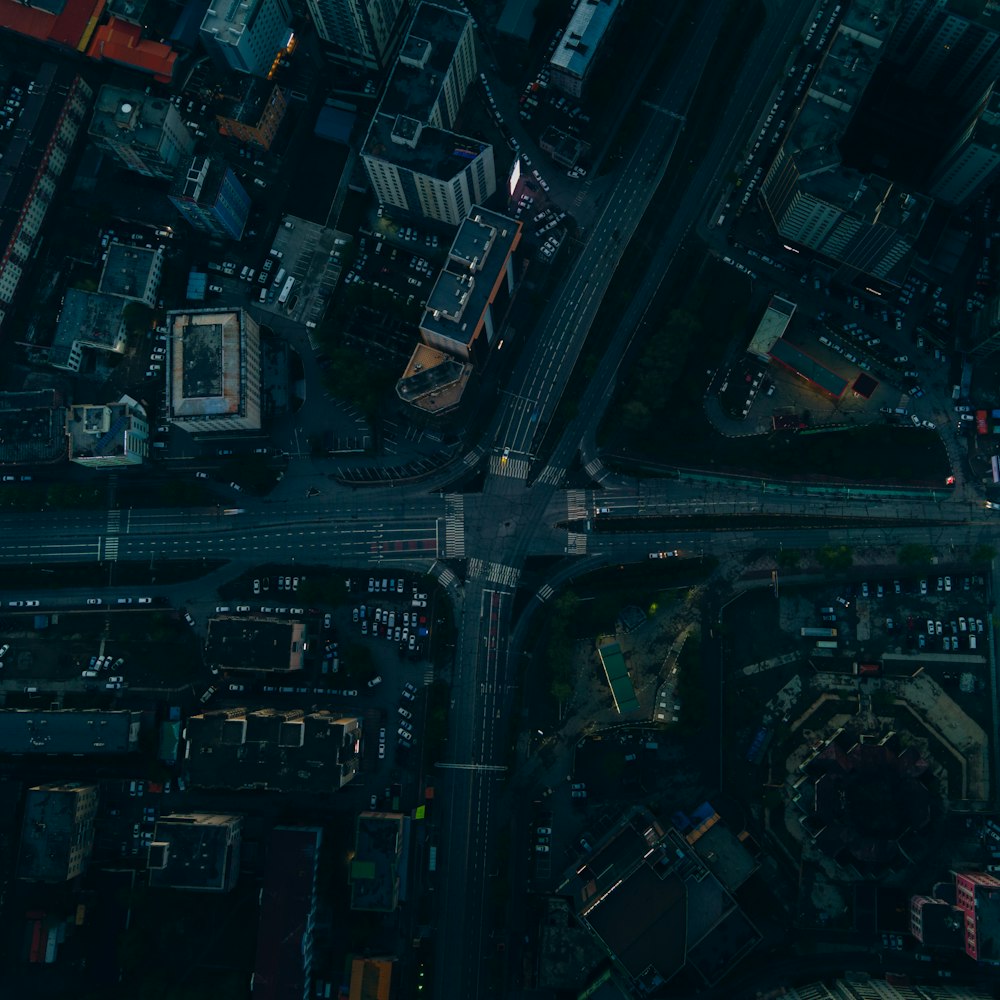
[
  {"x": 380, "y": 841},
  {"x": 213, "y": 370},
  {"x": 467, "y": 304},
  {"x": 132, "y": 273},
  {"x": 861, "y": 222},
  {"x": 433, "y": 382},
  {"x": 48, "y": 112},
  {"x": 146, "y": 133},
  {"x": 412, "y": 157},
  {"x": 255, "y": 115},
  {"x": 199, "y": 852},
  {"x": 89, "y": 322},
  {"x": 426, "y": 170},
  {"x": 283, "y": 967},
  {"x": 360, "y": 32},
  {"x": 576, "y": 52},
  {"x": 948, "y": 48},
  {"x": 972, "y": 162},
  {"x": 210, "y": 198},
  {"x": 57, "y": 834},
  {"x": 107, "y": 436},
  {"x": 246, "y": 35}
]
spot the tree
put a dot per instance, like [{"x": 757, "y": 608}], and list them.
[
  {"x": 982, "y": 554},
  {"x": 788, "y": 558},
  {"x": 835, "y": 557},
  {"x": 914, "y": 554}
]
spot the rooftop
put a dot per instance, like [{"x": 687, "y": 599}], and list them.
[
  {"x": 127, "y": 269},
  {"x": 121, "y": 42},
  {"x": 374, "y": 873},
  {"x": 90, "y": 318},
  {"x": 418, "y": 76},
  {"x": 249, "y": 106},
  {"x": 68, "y": 731},
  {"x": 32, "y": 427},
  {"x": 583, "y": 36},
  {"x": 797, "y": 359},
  {"x": 288, "y": 903},
  {"x": 129, "y": 117},
  {"x": 228, "y": 19},
  {"x": 64, "y": 22},
  {"x": 199, "y": 851},
  {"x": 282, "y": 750},
  {"x": 206, "y": 362},
  {"x": 433, "y": 381},
  {"x": 252, "y": 642},
  {"x": 421, "y": 148},
  {"x": 58, "y": 819},
  {"x": 100, "y": 431},
  {"x": 618, "y": 677},
  {"x": 772, "y": 326},
  {"x": 475, "y": 268}
]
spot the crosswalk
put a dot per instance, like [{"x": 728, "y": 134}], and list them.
[
  {"x": 491, "y": 572},
  {"x": 576, "y": 504},
  {"x": 576, "y": 543},
  {"x": 545, "y": 593},
  {"x": 512, "y": 468},
  {"x": 454, "y": 526},
  {"x": 446, "y": 578},
  {"x": 473, "y": 457},
  {"x": 110, "y": 546},
  {"x": 428, "y": 676},
  {"x": 596, "y": 470},
  {"x": 551, "y": 474}
]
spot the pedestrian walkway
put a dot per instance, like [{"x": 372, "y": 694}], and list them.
[
  {"x": 552, "y": 474},
  {"x": 454, "y": 526},
  {"x": 576, "y": 504},
  {"x": 511, "y": 468},
  {"x": 576, "y": 543}
]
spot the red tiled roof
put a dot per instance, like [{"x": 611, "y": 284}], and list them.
[
  {"x": 122, "y": 42},
  {"x": 72, "y": 27}
]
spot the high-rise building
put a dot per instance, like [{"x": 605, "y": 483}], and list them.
[
  {"x": 57, "y": 834},
  {"x": 948, "y": 48},
  {"x": 145, "y": 133},
  {"x": 413, "y": 159},
  {"x": 862, "y": 222},
  {"x": 426, "y": 170},
  {"x": 246, "y": 35},
  {"x": 972, "y": 162},
  {"x": 210, "y": 197},
  {"x": 576, "y": 53},
  {"x": 360, "y": 32},
  {"x": 859, "y": 986},
  {"x": 213, "y": 370},
  {"x": 50, "y": 115}
]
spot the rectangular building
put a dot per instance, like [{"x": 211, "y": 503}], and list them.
[
  {"x": 107, "y": 436},
  {"x": 283, "y": 968},
  {"x": 360, "y": 32},
  {"x": 210, "y": 198},
  {"x": 68, "y": 731},
  {"x": 213, "y": 370},
  {"x": 466, "y": 306},
  {"x": 977, "y": 894},
  {"x": 132, "y": 273},
  {"x": 51, "y": 114},
  {"x": 145, "y": 133},
  {"x": 199, "y": 852},
  {"x": 973, "y": 161},
  {"x": 57, "y": 834},
  {"x": 246, "y": 35},
  {"x": 412, "y": 157},
  {"x": 255, "y": 643},
  {"x": 282, "y": 750},
  {"x": 427, "y": 171},
  {"x": 255, "y": 115},
  {"x": 89, "y": 321},
  {"x": 576, "y": 52}
]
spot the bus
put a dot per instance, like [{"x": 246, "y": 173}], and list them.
[{"x": 286, "y": 291}]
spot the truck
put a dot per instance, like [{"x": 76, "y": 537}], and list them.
[
  {"x": 815, "y": 632},
  {"x": 826, "y": 644},
  {"x": 286, "y": 290}
]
